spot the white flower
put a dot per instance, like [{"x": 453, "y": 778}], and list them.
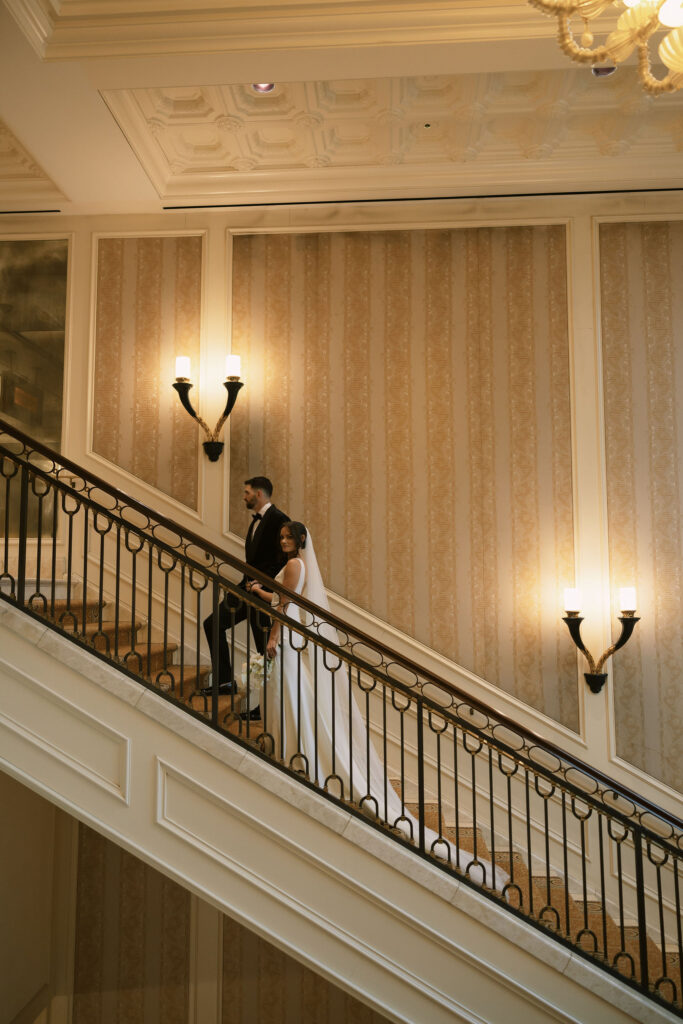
[{"x": 254, "y": 676}]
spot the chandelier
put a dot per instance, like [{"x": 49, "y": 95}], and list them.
[{"x": 639, "y": 22}]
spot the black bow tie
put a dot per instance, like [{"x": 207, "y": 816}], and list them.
[{"x": 256, "y": 515}]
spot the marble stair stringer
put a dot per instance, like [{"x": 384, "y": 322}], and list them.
[{"x": 395, "y": 931}]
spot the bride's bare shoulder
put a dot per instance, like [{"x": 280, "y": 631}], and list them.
[{"x": 292, "y": 572}]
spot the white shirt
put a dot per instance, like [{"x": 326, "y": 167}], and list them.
[{"x": 262, "y": 511}]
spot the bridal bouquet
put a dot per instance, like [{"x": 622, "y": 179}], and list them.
[{"x": 254, "y": 678}]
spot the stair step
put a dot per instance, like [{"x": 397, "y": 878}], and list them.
[
  {"x": 136, "y": 660},
  {"x": 69, "y": 612},
  {"x": 464, "y": 837},
  {"x": 103, "y": 636},
  {"x": 228, "y": 710},
  {"x": 183, "y": 686}
]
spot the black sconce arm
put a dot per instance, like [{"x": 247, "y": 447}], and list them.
[
  {"x": 628, "y": 624},
  {"x": 183, "y": 389},
  {"x": 233, "y": 388},
  {"x": 574, "y": 627},
  {"x": 595, "y": 677}
]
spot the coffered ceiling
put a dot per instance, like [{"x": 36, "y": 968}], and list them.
[{"x": 122, "y": 105}]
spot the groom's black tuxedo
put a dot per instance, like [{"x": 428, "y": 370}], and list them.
[
  {"x": 262, "y": 551},
  {"x": 262, "y": 546}
]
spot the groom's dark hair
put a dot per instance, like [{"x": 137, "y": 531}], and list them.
[{"x": 260, "y": 483}]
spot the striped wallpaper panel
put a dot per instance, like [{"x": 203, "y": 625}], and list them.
[
  {"x": 408, "y": 393},
  {"x": 148, "y": 312}
]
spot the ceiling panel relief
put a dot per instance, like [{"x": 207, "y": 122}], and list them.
[
  {"x": 372, "y": 136},
  {"x": 20, "y": 176}
]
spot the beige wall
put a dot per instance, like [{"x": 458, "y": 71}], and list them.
[
  {"x": 132, "y": 949},
  {"x": 263, "y": 985},
  {"x": 642, "y": 345},
  {"x": 27, "y": 845},
  {"x": 148, "y": 312},
  {"x": 133, "y": 955},
  {"x": 409, "y": 396}
]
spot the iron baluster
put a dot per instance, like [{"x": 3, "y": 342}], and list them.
[
  {"x": 456, "y": 794},
  {"x": 53, "y": 558},
  {"x": 215, "y": 596},
  {"x": 133, "y": 655},
  {"x": 247, "y": 690},
  {"x": 492, "y": 828},
  {"x": 181, "y": 679},
  {"x": 233, "y": 612},
  {"x": 603, "y": 900},
  {"x": 150, "y": 563},
  {"x": 367, "y": 796},
  {"x": 385, "y": 762},
  {"x": 350, "y": 713},
  {"x": 282, "y": 703},
  {"x": 621, "y": 954},
  {"x": 640, "y": 902},
  {"x": 565, "y": 866},
  {"x": 99, "y": 633},
  {"x": 315, "y": 713},
  {"x": 548, "y": 908},
  {"x": 69, "y": 556},
  {"x": 583, "y": 818},
  {"x": 6, "y": 574},
  {"x": 39, "y": 549},
  {"x": 529, "y": 859},
  {"x": 420, "y": 775},
  {"x": 23, "y": 531},
  {"x": 117, "y": 591},
  {"x": 679, "y": 929},
  {"x": 298, "y": 704},
  {"x": 658, "y": 865},
  {"x": 84, "y": 585}
]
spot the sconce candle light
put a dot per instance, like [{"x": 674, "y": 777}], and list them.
[
  {"x": 232, "y": 383},
  {"x": 572, "y": 604}
]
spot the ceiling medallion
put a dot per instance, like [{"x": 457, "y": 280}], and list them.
[{"x": 638, "y": 22}]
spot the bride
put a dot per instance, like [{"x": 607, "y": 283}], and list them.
[{"x": 311, "y": 717}]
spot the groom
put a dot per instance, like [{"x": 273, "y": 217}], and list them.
[{"x": 262, "y": 550}]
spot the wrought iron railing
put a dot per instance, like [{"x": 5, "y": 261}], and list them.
[{"x": 543, "y": 834}]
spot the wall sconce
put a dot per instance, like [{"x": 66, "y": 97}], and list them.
[
  {"x": 232, "y": 383},
  {"x": 572, "y": 605}
]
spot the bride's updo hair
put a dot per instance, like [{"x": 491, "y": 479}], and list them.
[{"x": 298, "y": 532}]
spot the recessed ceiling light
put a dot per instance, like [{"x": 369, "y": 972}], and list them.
[{"x": 263, "y": 86}]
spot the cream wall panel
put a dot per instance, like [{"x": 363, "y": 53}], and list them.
[
  {"x": 642, "y": 344},
  {"x": 410, "y": 401},
  {"x": 82, "y": 742}
]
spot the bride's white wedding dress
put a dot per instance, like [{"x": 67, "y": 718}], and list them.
[{"x": 318, "y": 729}]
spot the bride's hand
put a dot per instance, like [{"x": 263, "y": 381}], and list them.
[{"x": 271, "y": 649}]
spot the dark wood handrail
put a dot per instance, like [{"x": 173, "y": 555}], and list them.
[{"x": 392, "y": 656}]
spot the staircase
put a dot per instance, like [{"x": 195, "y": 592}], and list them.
[
  {"x": 593, "y": 868},
  {"x": 585, "y": 923}
]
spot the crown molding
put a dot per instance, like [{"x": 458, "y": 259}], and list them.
[
  {"x": 115, "y": 28},
  {"x": 21, "y": 178}
]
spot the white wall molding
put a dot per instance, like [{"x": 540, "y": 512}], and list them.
[{"x": 36, "y": 715}]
